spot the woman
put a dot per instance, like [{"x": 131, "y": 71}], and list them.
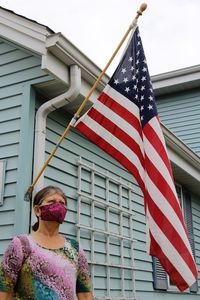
[{"x": 45, "y": 265}]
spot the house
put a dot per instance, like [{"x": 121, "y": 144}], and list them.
[{"x": 43, "y": 80}]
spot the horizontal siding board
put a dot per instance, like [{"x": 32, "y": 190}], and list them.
[
  {"x": 25, "y": 63},
  {"x": 9, "y": 151},
  {"x": 5, "y": 48},
  {"x": 10, "y": 114},
  {"x": 9, "y": 126},
  {"x": 13, "y": 56},
  {"x": 9, "y": 138},
  {"x": 23, "y": 76},
  {"x": 13, "y": 100}
]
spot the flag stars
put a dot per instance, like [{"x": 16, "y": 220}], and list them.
[
  {"x": 135, "y": 87},
  {"x": 130, "y": 59},
  {"x": 132, "y": 68},
  {"x": 142, "y": 98},
  {"x": 116, "y": 81},
  {"x": 137, "y": 61},
  {"x": 133, "y": 77},
  {"x": 138, "y": 53},
  {"x": 123, "y": 70},
  {"x": 143, "y": 78},
  {"x": 142, "y": 88},
  {"x": 150, "y": 98},
  {"x": 144, "y": 69},
  {"x": 125, "y": 79},
  {"x": 150, "y": 107},
  {"x": 127, "y": 89},
  {"x": 142, "y": 107}
]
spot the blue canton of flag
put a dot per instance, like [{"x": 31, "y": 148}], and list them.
[{"x": 132, "y": 80}]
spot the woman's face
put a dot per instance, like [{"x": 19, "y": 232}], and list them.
[{"x": 49, "y": 200}]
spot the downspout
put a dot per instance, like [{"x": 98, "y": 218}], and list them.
[{"x": 41, "y": 117}]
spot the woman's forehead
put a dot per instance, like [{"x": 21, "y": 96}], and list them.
[{"x": 54, "y": 196}]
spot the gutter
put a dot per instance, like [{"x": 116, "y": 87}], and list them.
[{"x": 41, "y": 117}]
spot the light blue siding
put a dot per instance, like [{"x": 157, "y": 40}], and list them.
[
  {"x": 17, "y": 70},
  {"x": 181, "y": 114}
]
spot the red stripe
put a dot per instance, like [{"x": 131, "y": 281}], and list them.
[
  {"x": 108, "y": 148},
  {"x": 175, "y": 276},
  {"x": 117, "y": 132},
  {"x": 153, "y": 138},
  {"x": 121, "y": 111},
  {"x": 169, "y": 231}
]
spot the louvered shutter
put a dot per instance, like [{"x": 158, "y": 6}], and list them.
[
  {"x": 189, "y": 224},
  {"x": 159, "y": 276}
]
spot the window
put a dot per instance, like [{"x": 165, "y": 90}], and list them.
[{"x": 161, "y": 280}]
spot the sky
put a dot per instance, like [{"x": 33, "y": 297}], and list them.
[{"x": 169, "y": 28}]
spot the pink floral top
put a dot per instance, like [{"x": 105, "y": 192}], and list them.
[{"x": 30, "y": 271}]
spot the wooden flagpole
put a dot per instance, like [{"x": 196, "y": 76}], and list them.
[{"x": 77, "y": 114}]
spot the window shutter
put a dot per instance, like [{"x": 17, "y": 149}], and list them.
[
  {"x": 187, "y": 206},
  {"x": 159, "y": 276}
]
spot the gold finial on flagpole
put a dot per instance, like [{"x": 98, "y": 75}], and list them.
[{"x": 142, "y": 8}]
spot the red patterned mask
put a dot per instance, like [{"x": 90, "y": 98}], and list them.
[{"x": 53, "y": 212}]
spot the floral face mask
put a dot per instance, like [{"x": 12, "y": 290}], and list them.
[{"x": 53, "y": 212}]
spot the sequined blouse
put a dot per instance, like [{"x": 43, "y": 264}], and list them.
[{"x": 30, "y": 271}]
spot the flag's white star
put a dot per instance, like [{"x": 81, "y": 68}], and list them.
[
  {"x": 123, "y": 70},
  {"x": 151, "y": 90},
  {"x": 135, "y": 87},
  {"x": 142, "y": 98},
  {"x": 142, "y": 108},
  {"x": 144, "y": 69},
  {"x": 138, "y": 53},
  {"x": 150, "y": 98},
  {"x": 150, "y": 107},
  {"x": 143, "y": 78},
  {"x": 136, "y": 96},
  {"x": 130, "y": 59},
  {"x": 142, "y": 118},
  {"x": 133, "y": 77},
  {"x": 116, "y": 81},
  {"x": 125, "y": 79},
  {"x": 132, "y": 68},
  {"x": 127, "y": 89},
  {"x": 138, "y": 43},
  {"x": 142, "y": 87},
  {"x": 137, "y": 61}
]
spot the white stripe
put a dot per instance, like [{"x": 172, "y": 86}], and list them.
[
  {"x": 122, "y": 100},
  {"x": 170, "y": 252},
  {"x": 115, "y": 142},
  {"x": 157, "y": 161},
  {"x": 120, "y": 122},
  {"x": 167, "y": 210}
]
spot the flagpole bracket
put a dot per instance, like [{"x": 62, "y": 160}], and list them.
[{"x": 74, "y": 120}]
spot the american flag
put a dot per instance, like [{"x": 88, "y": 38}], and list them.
[{"x": 124, "y": 123}]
